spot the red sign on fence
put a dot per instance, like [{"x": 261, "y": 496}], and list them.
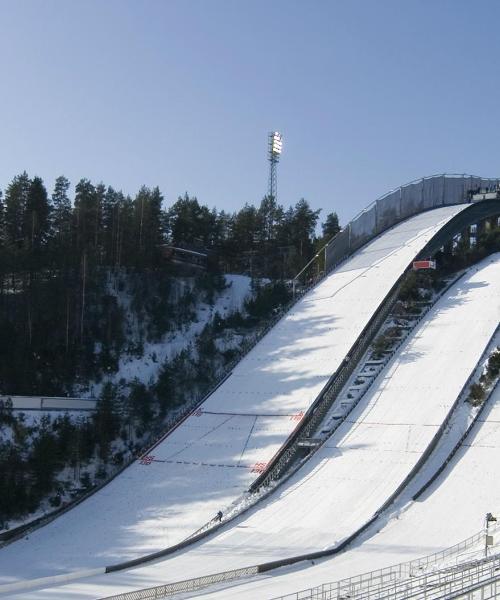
[
  {"x": 147, "y": 460},
  {"x": 423, "y": 264}
]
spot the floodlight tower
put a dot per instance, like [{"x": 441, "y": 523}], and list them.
[{"x": 275, "y": 145}]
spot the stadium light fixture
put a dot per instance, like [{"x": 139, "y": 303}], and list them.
[{"x": 275, "y": 148}]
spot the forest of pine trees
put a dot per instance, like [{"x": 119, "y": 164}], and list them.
[
  {"x": 55, "y": 252},
  {"x": 61, "y": 326}
]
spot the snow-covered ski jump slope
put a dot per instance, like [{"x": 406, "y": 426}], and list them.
[
  {"x": 362, "y": 464},
  {"x": 452, "y": 509},
  {"x": 213, "y": 456}
]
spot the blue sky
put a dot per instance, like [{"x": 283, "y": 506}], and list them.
[{"x": 182, "y": 93}]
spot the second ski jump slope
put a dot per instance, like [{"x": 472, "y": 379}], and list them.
[
  {"x": 215, "y": 454},
  {"x": 359, "y": 468}
]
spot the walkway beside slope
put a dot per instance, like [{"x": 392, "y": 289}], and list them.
[{"x": 350, "y": 478}]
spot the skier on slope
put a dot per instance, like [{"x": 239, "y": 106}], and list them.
[{"x": 218, "y": 516}]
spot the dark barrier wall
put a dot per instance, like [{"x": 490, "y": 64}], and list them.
[{"x": 406, "y": 201}]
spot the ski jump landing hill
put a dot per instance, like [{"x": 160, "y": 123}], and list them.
[
  {"x": 214, "y": 455},
  {"x": 354, "y": 474}
]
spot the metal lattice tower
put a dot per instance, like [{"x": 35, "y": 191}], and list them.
[{"x": 275, "y": 145}]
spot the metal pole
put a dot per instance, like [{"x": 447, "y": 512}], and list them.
[{"x": 486, "y": 537}]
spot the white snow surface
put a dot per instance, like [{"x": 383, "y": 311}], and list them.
[
  {"x": 361, "y": 465},
  {"x": 207, "y": 462}
]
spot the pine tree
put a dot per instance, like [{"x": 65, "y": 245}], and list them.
[
  {"x": 270, "y": 215},
  {"x": 302, "y": 227},
  {"x": 86, "y": 211},
  {"x": 16, "y": 198},
  {"x": 36, "y": 216},
  {"x": 245, "y": 228},
  {"x": 148, "y": 224},
  {"x": 106, "y": 420},
  {"x": 61, "y": 215},
  {"x": 331, "y": 226}
]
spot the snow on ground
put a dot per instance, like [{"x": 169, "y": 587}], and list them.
[
  {"x": 146, "y": 367},
  {"x": 453, "y": 508},
  {"x": 208, "y": 461},
  {"x": 362, "y": 464}
]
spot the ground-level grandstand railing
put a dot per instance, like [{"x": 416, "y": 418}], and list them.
[
  {"x": 387, "y": 574},
  {"x": 370, "y": 585},
  {"x": 435, "y": 585},
  {"x": 482, "y": 591}
]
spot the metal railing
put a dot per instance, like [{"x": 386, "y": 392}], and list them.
[
  {"x": 368, "y": 585},
  {"x": 189, "y": 585},
  {"x": 430, "y": 586},
  {"x": 397, "y": 205},
  {"x": 482, "y": 591}
]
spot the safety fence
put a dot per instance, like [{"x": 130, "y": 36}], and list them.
[{"x": 400, "y": 204}]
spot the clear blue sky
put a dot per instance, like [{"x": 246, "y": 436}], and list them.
[{"x": 182, "y": 93}]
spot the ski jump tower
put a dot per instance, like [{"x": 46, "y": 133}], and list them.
[{"x": 275, "y": 145}]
